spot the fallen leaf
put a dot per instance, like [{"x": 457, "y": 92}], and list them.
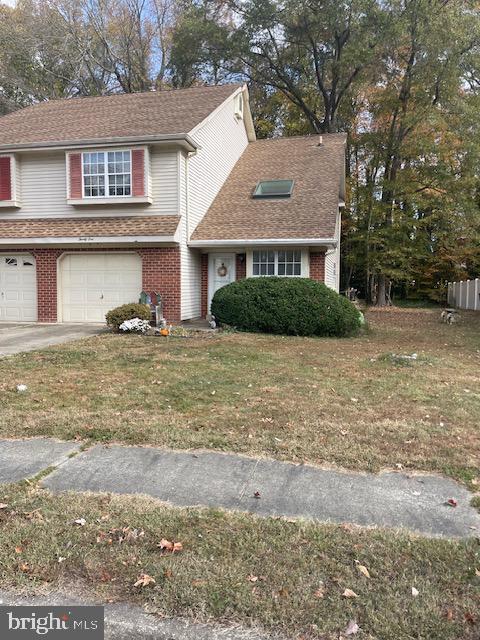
[
  {"x": 80, "y": 521},
  {"x": 477, "y": 572},
  {"x": 18, "y": 549},
  {"x": 256, "y": 494},
  {"x": 252, "y": 578},
  {"x": 25, "y": 567},
  {"x": 144, "y": 580},
  {"x": 363, "y": 570},
  {"x": 320, "y": 592},
  {"x": 167, "y": 545},
  {"x": 352, "y": 628},
  {"x": 469, "y": 617},
  {"x": 449, "y": 614},
  {"x": 168, "y": 573},
  {"x": 3, "y": 505},
  {"x": 199, "y": 583},
  {"x": 415, "y": 592},
  {"x": 348, "y": 593},
  {"x": 451, "y": 502}
]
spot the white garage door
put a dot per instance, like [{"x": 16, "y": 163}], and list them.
[
  {"x": 18, "y": 288},
  {"x": 92, "y": 284}
]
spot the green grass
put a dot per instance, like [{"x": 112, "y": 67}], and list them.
[
  {"x": 325, "y": 401},
  {"x": 242, "y": 569}
]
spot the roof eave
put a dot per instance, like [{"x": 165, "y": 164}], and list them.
[
  {"x": 181, "y": 139},
  {"x": 300, "y": 242}
]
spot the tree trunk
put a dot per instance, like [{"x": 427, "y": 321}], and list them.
[{"x": 382, "y": 291}]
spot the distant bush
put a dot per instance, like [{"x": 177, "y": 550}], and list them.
[
  {"x": 292, "y": 306},
  {"x": 117, "y": 316}
]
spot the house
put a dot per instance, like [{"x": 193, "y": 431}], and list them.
[{"x": 103, "y": 197}]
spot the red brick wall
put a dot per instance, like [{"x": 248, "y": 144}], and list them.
[
  {"x": 317, "y": 266},
  {"x": 161, "y": 272},
  {"x": 240, "y": 266},
  {"x": 46, "y": 261},
  {"x": 204, "y": 284}
]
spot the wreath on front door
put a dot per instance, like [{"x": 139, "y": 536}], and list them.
[{"x": 222, "y": 270}]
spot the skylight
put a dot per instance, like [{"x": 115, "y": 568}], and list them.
[{"x": 273, "y": 189}]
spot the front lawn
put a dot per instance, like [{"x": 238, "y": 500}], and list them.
[
  {"x": 300, "y": 580},
  {"x": 346, "y": 402}
]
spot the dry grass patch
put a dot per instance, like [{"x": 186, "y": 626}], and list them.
[
  {"x": 287, "y": 577},
  {"x": 328, "y": 401}
]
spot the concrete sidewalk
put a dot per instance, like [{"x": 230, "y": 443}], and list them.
[
  {"x": 126, "y": 622},
  {"x": 263, "y": 487},
  {"x": 271, "y": 488}
]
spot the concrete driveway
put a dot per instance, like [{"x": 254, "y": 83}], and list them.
[{"x": 18, "y": 337}]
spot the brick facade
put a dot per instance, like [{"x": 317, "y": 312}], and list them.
[
  {"x": 161, "y": 272},
  {"x": 46, "y": 261},
  {"x": 240, "y": 266},
  {"x": 317, "y": 266}
]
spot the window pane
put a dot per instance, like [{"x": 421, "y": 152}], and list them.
[
  {"x": 289, "y": 269},
  {"x": 256, "y": 256},
  {"x": 263, "y": 269},
  {"x": 119, "y": 178},
  {"x": 281, "y": 256},
  {"x": 255, "y": 269},
  {"x": 271, "y": 269},
  {"x": 297, "y": 256},
  {"x": 297, "y": 269},
  {"x": 281, "y": 269}
]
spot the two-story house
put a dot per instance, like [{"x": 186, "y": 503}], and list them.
[{"x": 103, "y": 197}]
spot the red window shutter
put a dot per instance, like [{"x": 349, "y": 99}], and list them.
[
  {"x": 5, "y": 178},
  {"x": 75, "y": 167},
  {"x": 138, "y": 172}
]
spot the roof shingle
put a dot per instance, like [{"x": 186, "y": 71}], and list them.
[
  {"x": 310, "y": 212},
  {"x": 94, "y": 227},
  {"x": 134, "y": 115}
]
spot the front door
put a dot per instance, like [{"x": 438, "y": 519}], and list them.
[{"x": 221, "y": 271}]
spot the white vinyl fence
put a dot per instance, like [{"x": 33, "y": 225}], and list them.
[{"x": 464, "y": 295}]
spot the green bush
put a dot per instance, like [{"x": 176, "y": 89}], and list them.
[
  {"x": 292, "y": 306},
  {"x": 116, "y": 316}
]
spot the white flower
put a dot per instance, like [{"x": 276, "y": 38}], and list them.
[{"x": 135, "y": 325}]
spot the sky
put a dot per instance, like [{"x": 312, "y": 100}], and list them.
[{"x": 9, "y": 2}]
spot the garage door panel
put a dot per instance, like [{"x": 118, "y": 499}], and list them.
[
  {"x": 18, "y": 288},
  {"x": 92, "y": 284}
]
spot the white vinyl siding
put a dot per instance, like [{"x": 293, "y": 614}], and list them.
[
  {"x": 190, "y": 298},
  {"x": 332, "y": 261},
  {"x": 331, "y": 269},
  {"x": 43, "y": 185},
  {"x": 222, "y": 139}
]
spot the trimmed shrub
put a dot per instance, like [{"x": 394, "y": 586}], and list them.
[
  {"x": 116, "y": 316},
  {"x": 291, "y": 306}
]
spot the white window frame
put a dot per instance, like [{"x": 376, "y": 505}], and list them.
[
  {"x": 106, "y": 174},
  {"x": 304, "y": 257}
]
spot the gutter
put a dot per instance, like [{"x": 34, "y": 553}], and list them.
[
  {"x": 183, "y": 139},
  {"x": 206, "y": 244}
]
